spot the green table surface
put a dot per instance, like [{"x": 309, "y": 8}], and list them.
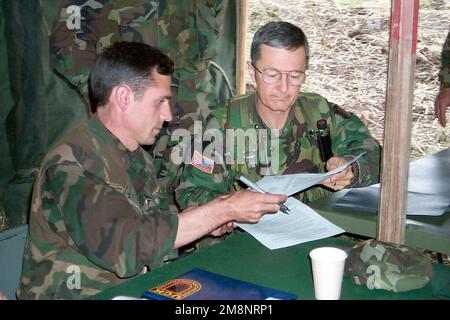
[
  {"x": 426, "y": 232},
  {"x": 289, "y": 269},
  {"x": 430, "y": 174}
]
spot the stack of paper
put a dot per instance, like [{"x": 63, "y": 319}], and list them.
[{"x": 302, "y": 224}]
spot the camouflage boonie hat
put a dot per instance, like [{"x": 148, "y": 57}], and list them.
[{"x": 388, "y": 266}]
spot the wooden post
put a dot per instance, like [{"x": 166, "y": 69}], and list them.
[
  {"x": 397, "y": 126},
  {"x": 241, "y": 29}
]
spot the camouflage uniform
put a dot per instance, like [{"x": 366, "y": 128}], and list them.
[
  {"x": 96, "y": 208},
  {"x": 199, "y": 36},
  {"x": 444, "y": 74},
  {"x": 298, "y": 148}
]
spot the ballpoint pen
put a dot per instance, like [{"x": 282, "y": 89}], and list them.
[{"x": 255, "y": 187}]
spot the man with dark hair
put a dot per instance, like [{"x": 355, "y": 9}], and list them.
[
  {"x": 119, "y": 66},
  {"x": 280, "y": 127},
  {"x": 97, "y": 214}
]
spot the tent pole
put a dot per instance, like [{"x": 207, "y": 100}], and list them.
[
  {"x": 397, "y": 125},
  {"x": 241, "y": 28}
]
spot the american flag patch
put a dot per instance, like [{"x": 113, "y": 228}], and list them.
[{"x": 202, "y": 163}]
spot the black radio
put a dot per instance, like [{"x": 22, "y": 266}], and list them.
[{"x": 324, "y": 140}]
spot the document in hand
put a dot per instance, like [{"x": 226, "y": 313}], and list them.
[
  {"x": 301, "y": 225},
  {"x": 292, "y": 183},
  {"x": 199, "y": 284}
]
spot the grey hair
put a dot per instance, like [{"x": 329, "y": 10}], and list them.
[{"x": 278, "y": 34}]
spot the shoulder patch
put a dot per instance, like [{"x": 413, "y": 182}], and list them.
[
  {"x": 342, "y": 112},
  {"x": 202, "y": 163}
]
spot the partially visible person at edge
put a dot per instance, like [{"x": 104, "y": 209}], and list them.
[
  {"x": 97, "y": 215},
  {"x": 279, "y": 64},
  {"x": 442, "y": 101}
]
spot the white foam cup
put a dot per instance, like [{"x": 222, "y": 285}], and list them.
[{"x": 328, "y": 269}]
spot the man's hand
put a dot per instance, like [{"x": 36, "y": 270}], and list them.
[
  {"x": 250, "y": 206},
  {"x": 217, "y": 216},
  {"x": 223, "y": 229},
  {"x": 441, "y": 104},
  {"x": 339, "y": 180}
]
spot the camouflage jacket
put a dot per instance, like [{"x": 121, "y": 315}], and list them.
[
  {"x": 297, "y": 146},
  {"x": 198, "y": 35},
  {"x": 97, "y": 217},
  {"x": 444, "y": 74}
]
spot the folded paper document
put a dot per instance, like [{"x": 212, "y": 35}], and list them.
[
  {"x": 293, "y": 183},
  {"x": 199, "y": 284},
  {"x": 301, "y": 225}
]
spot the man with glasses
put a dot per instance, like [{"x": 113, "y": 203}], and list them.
[{"x": 274, "y": 130}]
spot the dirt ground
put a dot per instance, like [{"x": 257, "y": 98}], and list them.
[{"x": 349, "y": 42}]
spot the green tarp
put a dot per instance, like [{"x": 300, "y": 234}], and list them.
[{"x": 43, "y": 78}]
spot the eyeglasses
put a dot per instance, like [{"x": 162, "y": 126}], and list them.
[{"x": 273, "y": 76}]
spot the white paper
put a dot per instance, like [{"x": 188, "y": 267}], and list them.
[
  {"x": 290, "y": 184},
  {"x": 281, "y": 230},
  {"x": 127, "y": 298}
]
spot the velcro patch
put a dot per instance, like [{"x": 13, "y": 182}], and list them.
[{"x": 202, "y": 163}]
